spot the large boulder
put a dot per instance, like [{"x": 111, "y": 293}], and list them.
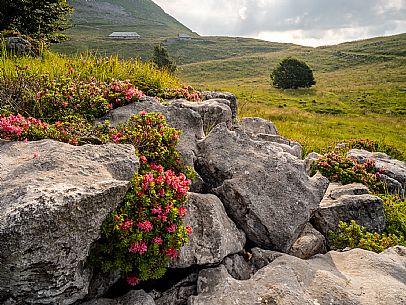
[
  {"x": 18, "y": 45},
  {"x": 264, "y": 190},
  {"x": 392, "y": 168},
  {"x": 214, "y": 235},
  {"x": 220, "y": 97},
  {"x": 187, "y": 120},
  {"x": 355, "y": 277},
  {"x": 346, "y": 203},
  {"x": 212, "y": 112},
  {"x": 53, "y": 200}
]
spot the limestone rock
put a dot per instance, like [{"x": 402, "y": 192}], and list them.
[
  {"x": 180, "y": 292},
  {"x": 313, "y": 156},
  {"x": 134, "y": 297},
  {"x": 355, "y": 277},
  {"x": 54, "y": 198},
  {"x": 346, "y": 203},
  {"x": 309, "y": 243},
  {"x": 214, "y": 235},
  {"x": 18, "y": 45},
  {"x": 261, "y": 258},
  {"x": 210, "y": 95},
  {"x": 238, "y": 267},
  {"x": 264, "y": 190},
  {"x": 211, "y": 111},
  {"x": 258, "y": 126}
]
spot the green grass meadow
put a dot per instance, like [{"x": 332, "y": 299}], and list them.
[{"x": 360, "y": 93}]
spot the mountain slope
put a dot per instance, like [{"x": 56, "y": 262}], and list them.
[{"x": 94, "y": 20}]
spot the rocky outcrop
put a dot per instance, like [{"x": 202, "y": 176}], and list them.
[
  {"x": 265, "y": 190},
  {"x": 214, "y": 235},
  {"x": 220, "y": 97},
  {"x": 356, "y": 277},
  {"x": 346, "y": 203},
  {"x": 54, "y": 198},
  {"x": 213, "y": 112},
  {"x": 391, "y": 168}
]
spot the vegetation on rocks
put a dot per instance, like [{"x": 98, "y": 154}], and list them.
[
  {"x": 338, "y": 168},
  {"x": 58, "y": 98}
]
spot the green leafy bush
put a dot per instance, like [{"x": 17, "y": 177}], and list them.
[
  {"x": 161, "y": 59},
  {"x": 354, "y": 236},
  {"x": 395, "y": 212},
  {"x": 292, "y": 73}
]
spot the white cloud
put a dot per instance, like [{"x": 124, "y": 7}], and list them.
[{"x": 308, "y": 22}]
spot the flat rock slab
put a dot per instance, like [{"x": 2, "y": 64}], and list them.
[
  {"x": 356, "y": 277},
  {"x": 53, "y": 200},
  {"x": 214, "y": 235},
  {"x": 264, "y": 189}
]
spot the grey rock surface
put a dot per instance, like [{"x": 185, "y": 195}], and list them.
[
  {"x": 309, "y": 243},
  {"x": 134, "y": 297},
  {"x": 355, "y": 277},
  {"x": 258, "y": 126},
  {"x": 310, "y": 158},
  {"x": 53, "y": 200},
  {"x": 238, "y": 267},
  {"x": 214, "y": 235},
  {"x": 18, "y": 45},
  {"x": 212, "y": 112},
  {"x": 261, "y": 258},
  {"x": 180, "y": 292},
  {"x": 346, "y": 203},
  {"x": 264, "y": 190},
  {"x": 210, "y": 95}
]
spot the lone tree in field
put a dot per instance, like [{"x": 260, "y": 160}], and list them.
[
  {"x": 292, "y": 73},
  {"x": 162, "y": 60},
  {"x": 42, "y": 19}
]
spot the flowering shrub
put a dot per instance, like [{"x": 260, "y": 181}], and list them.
[
  {"x": 186, "y": 92},
  {"x": 149, "y": 133},
  {"x": 19, "y": 128},
  {"x": 338, "y": 168},
  {"x": 92, "y": 99},
  {"x": 119, "y": 93},
  {"x": 354, "y": 236},
  {"x": 142, "y": 236}
]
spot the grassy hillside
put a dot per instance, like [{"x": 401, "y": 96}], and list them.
[
  {"x": 94, "y": 20},
  {"x": 360, "y": 90}
]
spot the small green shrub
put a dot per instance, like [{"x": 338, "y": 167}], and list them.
[
  {"x": 354, "y": 236},
  {"x": 395, "y": 212}
]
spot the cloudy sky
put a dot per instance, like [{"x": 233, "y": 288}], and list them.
[{"x": 305, "y": 22}]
